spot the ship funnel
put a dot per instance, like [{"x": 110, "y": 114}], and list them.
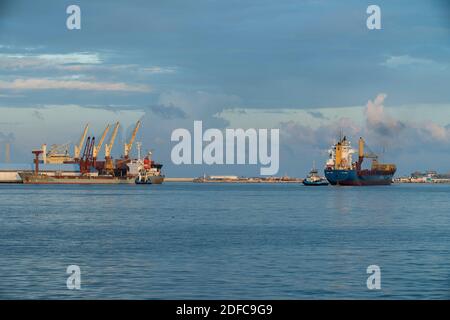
[{"x": 338, "y": 160}]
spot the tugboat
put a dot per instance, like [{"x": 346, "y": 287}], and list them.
[{"x": 313, "y": 178}]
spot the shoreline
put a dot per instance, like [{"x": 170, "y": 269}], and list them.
[{"x": 241, "y": 180}]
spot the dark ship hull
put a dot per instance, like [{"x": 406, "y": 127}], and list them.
[{"x": 359, "y": 178}]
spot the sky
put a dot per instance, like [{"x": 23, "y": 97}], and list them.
[{"x": 308, "y": 67}]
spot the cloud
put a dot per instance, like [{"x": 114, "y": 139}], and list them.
[
  {"x": 379, "y": 128},
  {"x": 199, "y": 104},
  {"x": 377, "y": 119},
  {"x": 159, "y": 70},
  {"x": 22, "y": 61},
  {"x": 10, "y": 95},
  {"x": 48, "y": 84},
  {"x": 396, "y": 62},
  {"x": 320, "y": 137},
  {"x": 403, "y": 134},
  {"x": 7, "y": 138},
  {"x": 129, "y": 68},
  {"x": 69, "y": 58},
  {"x": 168, "y": 112},
  {"x": 75, "y": 61},
  {"x": 436, "y": 131},
  {"x": 38, "y": 115},
  {"x": 317, "y": 114}
]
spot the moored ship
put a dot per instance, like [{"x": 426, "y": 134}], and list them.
[
  {"x": 89, "y": 170},
  {"x": 341, "y": 170},
  {"x": 149, "y": 172},
  {"x": 41, "y": 178}
]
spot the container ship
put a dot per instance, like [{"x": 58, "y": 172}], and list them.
[{"x": 341, "y": 170}]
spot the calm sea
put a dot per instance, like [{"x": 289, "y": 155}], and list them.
[{"x": 183, "y": 240}]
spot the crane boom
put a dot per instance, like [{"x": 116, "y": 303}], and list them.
[
  {"x": 127, "y": 146},
  {"x": 109, "y": 146},
  {"x": 100, "y": 143},
  {"x": 78, "y": 147}
]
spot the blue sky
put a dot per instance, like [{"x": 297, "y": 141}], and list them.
[{"x": 307, "y": 67}]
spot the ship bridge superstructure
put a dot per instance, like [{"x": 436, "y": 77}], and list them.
[{"x": 340, "y": 155}]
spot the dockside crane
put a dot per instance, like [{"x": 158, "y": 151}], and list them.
[
  {"x": 108, "y": 147},
  {"x": 127, "y": 146},
  {"x": 77, "y": 151},
  {"x": 87, "y": 161},
  {"x": 362, "y": 154},
  {"x": 386, "y": 167},
  {"x": 98, "y": 147}
]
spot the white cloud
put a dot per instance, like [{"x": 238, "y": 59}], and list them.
[
  {"x": 407, "y": 60},
  {"x": 20, "y": 61},
  {"x": 379, "y": 121},
  {"x": 46, "y": 84},
  {"x": 77, "y": 57},
  {"x": 159, "y": 70},
  {"x": 436, "y": 131},
  {"x": 199, "y": 103}
]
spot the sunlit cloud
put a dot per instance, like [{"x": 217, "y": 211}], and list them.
[
  {"x": 159, "y": 70},
  {"x": 395, "y": 62},
  {"x": 19, "y": 61},
  {"x": 48, "y": 84}
]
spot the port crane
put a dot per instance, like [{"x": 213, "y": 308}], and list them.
[
  {"x": 108, "y": 147},
  {"x": 100, "y": 143},
  {"x": 77, "y": 149},
  {"x": 361, "y": 152},
  {"x": 127, "y": 146},
  {"x": 371, "y": 155},
  {"x": 87, "y": 160}
]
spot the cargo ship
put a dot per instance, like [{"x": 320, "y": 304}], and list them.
[
  {"x": 341, "y": 170},
  {"x": 134, "y": 169},
  {"x": 58, "y": 167},
  {"x": 10, "y": 172},
  {"x": 42, "y": 178}
]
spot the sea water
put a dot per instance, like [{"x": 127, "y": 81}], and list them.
[{"x": 224, "y": 241}]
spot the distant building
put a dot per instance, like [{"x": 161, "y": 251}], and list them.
[
  {"x": 223, "y": 178},
  {"x": 431, "y": 173},
  {"x": 417, "y": 174},
  {"x": 426, "y": 174}
]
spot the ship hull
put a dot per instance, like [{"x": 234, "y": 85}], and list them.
[
  {"x": 28, "y": 178},
  {"x": 151, "y": 180},
  {"x": 358, "y": 178},
  {"x": 315, "y": 183}
]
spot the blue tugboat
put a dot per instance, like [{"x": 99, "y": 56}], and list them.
[{"x": 313, "y": 179}]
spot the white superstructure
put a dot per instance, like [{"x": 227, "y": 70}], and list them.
[{"x": 340, "y": 155}]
